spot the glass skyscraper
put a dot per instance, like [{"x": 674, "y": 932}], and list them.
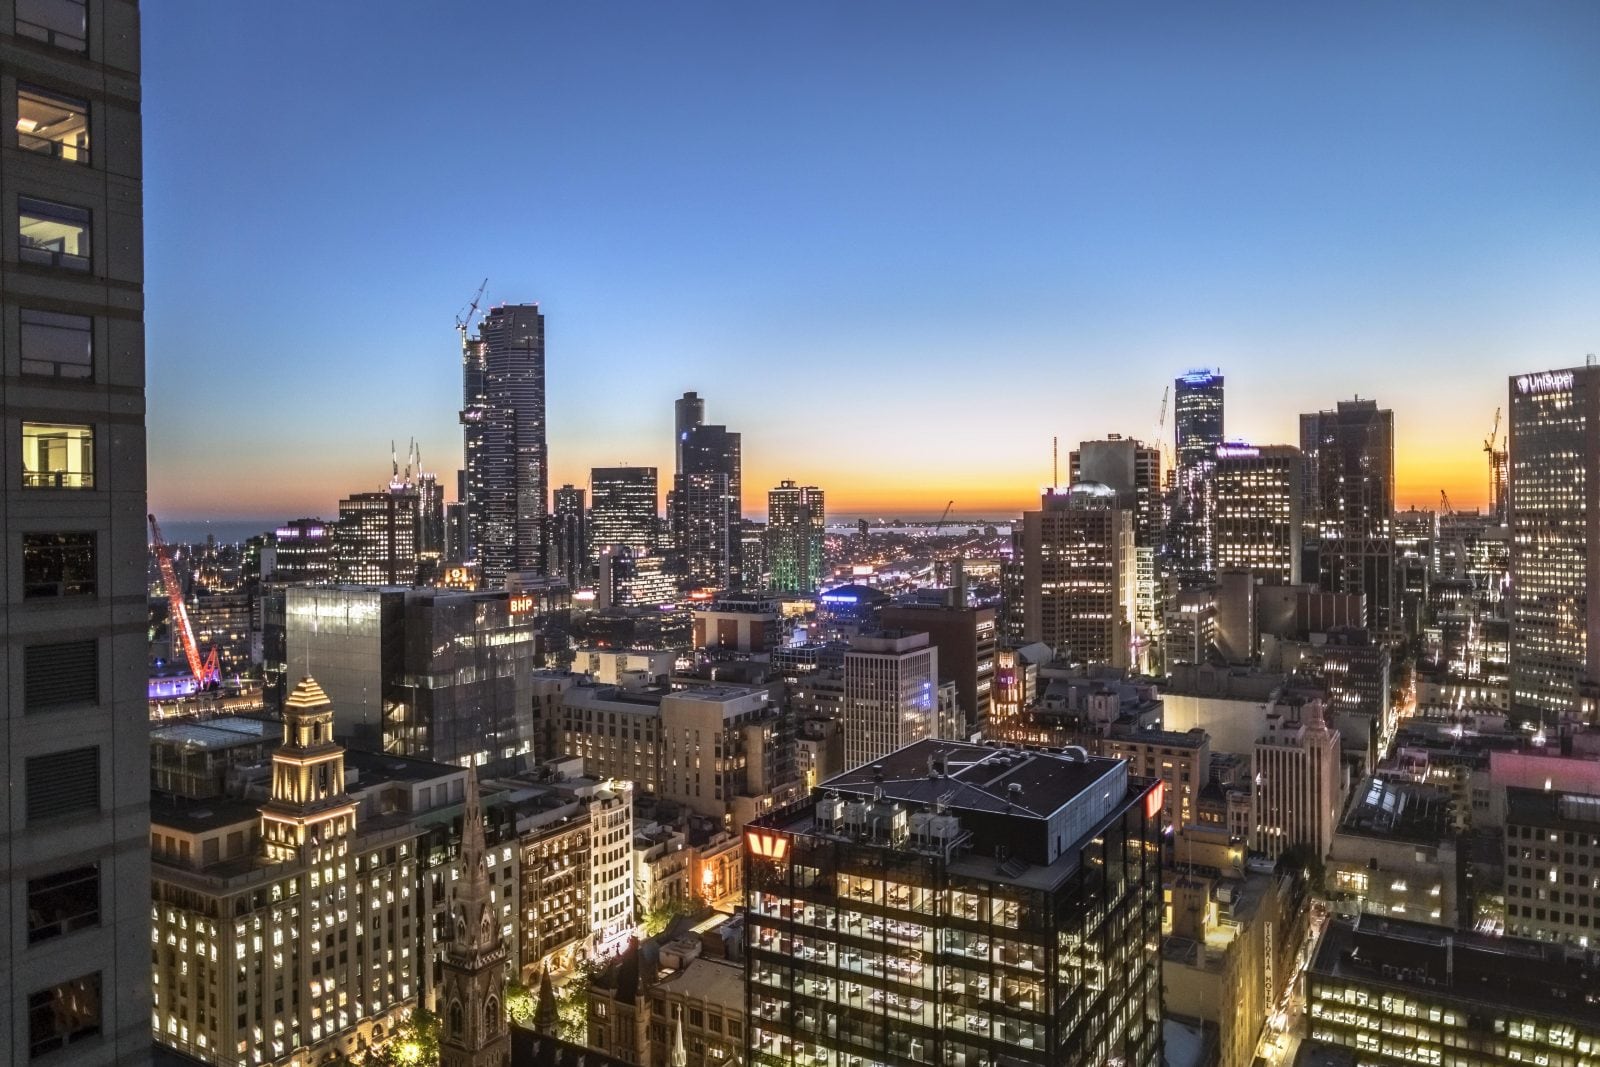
[
  {"x": 705, "y": 511},
  {"x": 1555, "y": 535},
  {"x": 956, "y": 904},
  {"x": 1349, "y": 487},
  {"x": 503, "y": 438},
  {"x": 796, "y": 518},
  {"x": 1197, "y": 424}
]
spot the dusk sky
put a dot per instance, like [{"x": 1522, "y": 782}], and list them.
[{"x": 898, "y": 246}]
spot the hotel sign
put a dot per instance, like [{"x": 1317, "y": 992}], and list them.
[{"x": 1548, "y": 382}]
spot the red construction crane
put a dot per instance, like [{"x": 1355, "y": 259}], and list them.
[{"x": 206, "y": 673}]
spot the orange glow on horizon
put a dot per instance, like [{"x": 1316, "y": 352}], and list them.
[{"x": 1418, "y": 480}]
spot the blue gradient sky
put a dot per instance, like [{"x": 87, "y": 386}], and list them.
[{"x": 897, "y": 245}]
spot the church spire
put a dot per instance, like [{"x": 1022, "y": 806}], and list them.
[
  {"x": 473, "y": 986},
  {"x": 680, "y": 1057},
  {"x": 472, "y": 892}
]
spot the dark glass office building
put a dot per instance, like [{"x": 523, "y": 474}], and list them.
[
  {"x": 962, "y": 906},
  {"x": 503, "y": 441},
  {"x": 623, "y": 509},
  {"x": 1197, "y": 424}
]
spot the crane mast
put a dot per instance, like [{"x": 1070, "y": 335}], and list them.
[{"x": 205, "y": 671}]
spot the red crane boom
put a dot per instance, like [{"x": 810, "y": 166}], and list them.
[{"x": 205, "y": 672}]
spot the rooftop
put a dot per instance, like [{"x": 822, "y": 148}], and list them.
[
  {"x": 965, "y": 777},
  {"x": 383, "y": 767},
  {"x": 714, "y": 981},
  {"x": 1502, "y": 972},
  {"x": 226, "y": 732},
  {"x": 1401, "y": 810},
  {"x": 186, "y": 815},
  {"x": 1173, "y": 738},
  {"x": 1552, "y": 810}
]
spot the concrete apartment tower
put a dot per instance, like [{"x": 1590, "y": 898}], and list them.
[{"x": 75, "y": 947}]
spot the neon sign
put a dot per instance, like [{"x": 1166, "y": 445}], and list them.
[
  {"x": 1548, "y": 382},
  {"x": 1237, "y": 451}
]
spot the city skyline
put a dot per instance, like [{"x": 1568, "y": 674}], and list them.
[{"x": 1397, "y": 207}]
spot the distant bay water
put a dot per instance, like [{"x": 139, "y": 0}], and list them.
[{"x": 180, "y": 532}]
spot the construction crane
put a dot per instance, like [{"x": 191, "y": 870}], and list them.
[
  {"x": 940, "y": 524},
  {"x": 464, "y": 320},
  {"x": 1444, "y": 503},
  {"x": 1161, "y": 430},
  {"x": 206, "y": 672},
  {"x": 1497, "y": 469}
]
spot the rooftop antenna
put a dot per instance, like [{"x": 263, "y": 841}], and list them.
[{"x": 1055, "y": 462}]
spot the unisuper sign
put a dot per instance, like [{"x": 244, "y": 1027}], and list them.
[{"x": 1548, "y": 382}]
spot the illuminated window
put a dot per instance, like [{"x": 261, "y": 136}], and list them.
[
  {"x": 57, "y": 456},
  {"x": 52, "y": 235},
  {"x": 52, "y": 125}
]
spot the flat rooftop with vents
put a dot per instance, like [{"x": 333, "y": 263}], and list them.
[{"x": 1027, "y": 805}]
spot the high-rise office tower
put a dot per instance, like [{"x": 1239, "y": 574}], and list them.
[
  {"x": 1349, "y": 490},
  {"x": 623, "y": 509},
  {"x": 375, "y": 542},
  {"x": 965, "y": 638},
  {"x": 569, "y": 536},
  {"x": 1197, "y": 424},
  {"x": 1133, "y": 469},
  {"x": 1555, "y": 537},
  {"x": 1253, "y": 507},
  {"x": 688, "y": 411},
  {"x": 1298, "y": 788},
  {"x": 707, "y": 524},
  {"x": 958, "y": 904},
  {"x": 794, "y": 534},
  {"x": 503, "y": 430},
  {"x": 302, "y": 552},
  {"x": 1078, "y": 573},
  {"x": 455, "y": 531},
  {"x": 75, "y": 954},
  {"x": 430, "y": 517},
  {"x": 891, "y": 698}
]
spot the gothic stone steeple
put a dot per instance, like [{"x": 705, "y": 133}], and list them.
[{"x": 472, "y": 992}]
